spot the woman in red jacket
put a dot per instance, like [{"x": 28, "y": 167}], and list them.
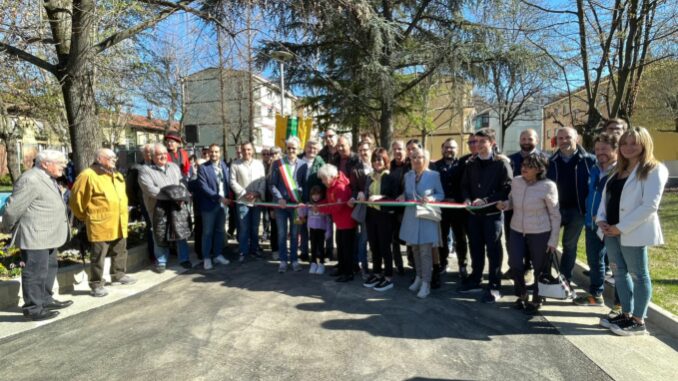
[{"x": 339, "y": 192}]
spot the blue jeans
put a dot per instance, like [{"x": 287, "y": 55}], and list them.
[
  {"x": 248, "y": 229},
  {"x": 485, "y": 232},
  {"x": 161, "y": 253},
  {"x": 213, "y": 232},
  {"x": 284, "y": 218},
  {"x": 360, "y": 253},
  {"x": 595, "y": 256},
  {"x": 572, "y": 223},
  {"x": 631, "y": 275}
]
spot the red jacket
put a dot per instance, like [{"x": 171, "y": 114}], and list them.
[
  {"x": 180, "y": 158},
  {"x": 339, "y": 191}
]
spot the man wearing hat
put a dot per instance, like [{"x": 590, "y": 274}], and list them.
[{"x": 176, "y": 154}]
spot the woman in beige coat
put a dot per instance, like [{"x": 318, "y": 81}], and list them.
[{"x": 534, "y": 226}]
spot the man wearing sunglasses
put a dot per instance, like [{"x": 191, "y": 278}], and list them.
[
  {"x": 329, "y": 152},
  {"x": 98, "y": 198}
]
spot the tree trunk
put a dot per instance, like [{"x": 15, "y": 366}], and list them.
[
  {"x": 386, "y": 124},
  {"x": 13, "y": 162},
  {"x": 83, "y": 126}
]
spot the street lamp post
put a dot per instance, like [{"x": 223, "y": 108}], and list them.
[{"x": 282, "y": 56}]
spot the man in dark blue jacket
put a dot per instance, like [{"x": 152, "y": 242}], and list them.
[
  {"x": 570, "y": 168},
  {"x": 212, "y": 196},
  {"x": 605, "y": 146}
]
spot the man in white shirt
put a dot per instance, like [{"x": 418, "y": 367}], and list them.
[{"x": 248, "y": 182}]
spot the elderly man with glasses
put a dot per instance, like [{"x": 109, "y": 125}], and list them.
[
  {"x": 98, "y": 198},
  {"x": 288, "y": 177},
  {"x": 35, "y": 215}
]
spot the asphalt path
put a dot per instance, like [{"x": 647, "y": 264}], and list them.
[{"x": 247, "y": 322}]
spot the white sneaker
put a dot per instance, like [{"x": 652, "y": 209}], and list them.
[
  {"x": 221, "y": 260},
  {"x": 416, "y": 285},
  {"x": 283, "y": 267},
  {"x": 424, "y": 290},
  {"x": 320, "y": 270},
  {"x": 296, "y": 266},
  {"x": 207, "y": 264},
  {"x": 313, "y": 269}
]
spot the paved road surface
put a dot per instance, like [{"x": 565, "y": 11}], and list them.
[{"x": 246, "y": 322}]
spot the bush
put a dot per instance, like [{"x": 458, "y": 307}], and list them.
[{"x": 6, "y": 180}]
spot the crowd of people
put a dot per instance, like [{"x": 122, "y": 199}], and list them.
[{"x": 315, "y": 198}]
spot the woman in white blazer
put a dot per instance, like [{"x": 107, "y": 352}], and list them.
[{"x": 628, "y": 220}]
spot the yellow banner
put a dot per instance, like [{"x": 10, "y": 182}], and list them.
[
  {"x": 280, "y": 131},
  {"x": 304, "y": 129}
]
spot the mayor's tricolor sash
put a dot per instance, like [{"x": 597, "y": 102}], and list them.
[{"x": 287, "y": 173}]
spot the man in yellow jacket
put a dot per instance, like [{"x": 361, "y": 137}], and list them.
[{"x": 98, "y": 198}]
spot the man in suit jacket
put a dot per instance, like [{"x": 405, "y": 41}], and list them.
[
  {"x": 288, "y": 177},
  {"x": 35, "y": 214},
  {"x": 213, "y": 189}
]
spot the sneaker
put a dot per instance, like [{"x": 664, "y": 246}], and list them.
[
  {"x": 372, "y": 281},
  {"x": 207, "y": 264},
  {"x": 491, "y": 296},
  {"x": 416, "y": 285},
  {"x": 520, "y": 304},
  {"x": 320, "y": 270},
  {"x": 296, "y": 266},
  {"x": 283, "y": 267},
  {"x": 469, "y": 287},
  {"x": 99, "y": 292},
  {"x": 589, "y": 300},
  {"x": 616, "y": 321},
  {"x": 159, "y": 269},
  {"x": 629, "y": 328},
  {"x": 275, "y": 256},
  {"x": 221, "y": 260},
  {"x": 424, "y": 291},
  {"x": 614, "y": 311},
  {"x": 241, "y": 258},
  {"x": 384, "y": 285},
  {"x": 313, "y": 269},
  {"x": 186, "y": 264},
  {"x": 532, "y": 308},
  {"x": 126, "y": 280}
]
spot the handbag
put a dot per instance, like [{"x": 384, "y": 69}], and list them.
[
  {"x": 359, "y": 213},
  {"x": 553, "y": 287},
  {"x": 429, "y": 212}
]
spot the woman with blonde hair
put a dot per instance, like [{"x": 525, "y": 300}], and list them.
[
  {"x": 419, "y": 229},
  {"x": 628, "y": 220}
]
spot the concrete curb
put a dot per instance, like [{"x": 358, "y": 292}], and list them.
[
  {"x": 656, "y": 316},
  {"x": 69, "y": 276}
]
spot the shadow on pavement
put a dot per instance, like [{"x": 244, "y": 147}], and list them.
[{"x": 396, "y": 313}]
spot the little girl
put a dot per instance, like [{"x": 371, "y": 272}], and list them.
[{"x": 320, "y": 230}]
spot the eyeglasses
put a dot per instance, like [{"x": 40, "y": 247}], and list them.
[{"x": 114, "y": 158}]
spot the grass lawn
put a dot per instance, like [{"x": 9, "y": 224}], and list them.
[
  {"x": 6, "y": 188},
  {"x": 663, "y": 259}
]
